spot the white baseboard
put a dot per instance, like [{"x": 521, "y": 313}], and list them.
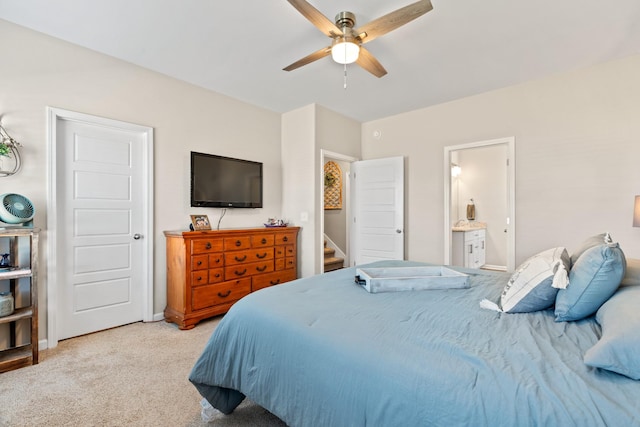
[{"x": 43, "y": 344}]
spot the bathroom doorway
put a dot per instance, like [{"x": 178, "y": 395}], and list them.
[{"x": 482, "y": 174}]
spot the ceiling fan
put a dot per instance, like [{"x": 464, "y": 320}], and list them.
[{"x": 346, "y": 46}]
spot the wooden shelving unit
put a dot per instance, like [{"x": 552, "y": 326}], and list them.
[{"x": 20, "y": 355}]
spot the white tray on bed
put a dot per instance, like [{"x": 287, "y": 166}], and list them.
[{"x": 393, "y": 279}]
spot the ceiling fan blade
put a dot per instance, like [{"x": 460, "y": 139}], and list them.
[
  {"x": 321, "y": 22},
  {"x": 367, "y": 61},
  {"x": 393, "y": 20},
  {"x": 325, "y": 51}
]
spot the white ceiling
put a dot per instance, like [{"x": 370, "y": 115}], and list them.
[{"x": 238, "y": 48}]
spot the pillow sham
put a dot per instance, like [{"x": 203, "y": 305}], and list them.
[
  {"x": 534, "y": 285},
  {"x": 592, "y": 280},
  {"x": 619, "y": 347}
]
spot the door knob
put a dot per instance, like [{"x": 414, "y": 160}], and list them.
[
  {"x": 398, "y": 231},
  {"x": 137, "y": 236}
]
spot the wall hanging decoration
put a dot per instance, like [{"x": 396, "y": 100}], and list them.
[
  {"x": 10, "y": 160},
  {"x": 332, "y": 186}
]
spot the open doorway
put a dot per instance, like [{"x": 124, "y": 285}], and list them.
[
  {"x": 334, "y": 223},
  {"x": 479, "y": 197}
]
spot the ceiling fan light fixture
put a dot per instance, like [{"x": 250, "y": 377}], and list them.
[{"x": 345, "y": 51}]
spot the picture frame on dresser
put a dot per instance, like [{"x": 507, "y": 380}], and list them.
[{"x": 200, "y": 222}]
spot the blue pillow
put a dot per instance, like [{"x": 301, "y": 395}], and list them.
[
  {"x": 595, "y": 276},
  {"x": 618, "y": 349}
]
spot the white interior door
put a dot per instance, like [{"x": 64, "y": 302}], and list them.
[
  {"x": 102, "y": 230},
  {"x": 378, "y": 210}
]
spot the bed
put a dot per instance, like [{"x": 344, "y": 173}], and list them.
[{"x": 322, "y": 351}]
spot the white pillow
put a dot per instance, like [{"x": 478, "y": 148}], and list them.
[{"x": 534, "y": 285}]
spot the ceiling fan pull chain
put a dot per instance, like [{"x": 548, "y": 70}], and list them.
[{"x": 345, "y": 76}]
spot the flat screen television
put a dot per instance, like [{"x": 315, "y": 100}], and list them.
[{"x": 225, "y": 182}]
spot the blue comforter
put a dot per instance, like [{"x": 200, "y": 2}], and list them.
[{"x": 324, "y": 352}]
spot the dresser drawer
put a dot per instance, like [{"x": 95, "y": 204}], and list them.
[
  {"x": 216, "y": 275},
  {"x": 236, "y": 243},
  {"x": 285, "y": 238},
  {"x": 244, "y": 270},
  {"x": 201, "y": 246},
  {"x": 199, "y": 277},
  {"x": 209, "y": 295},
  {"x": 244, "y": 257},
  {"x": 216, "y": 260},
  {"x": 200, "y": 262},
  {"x": 272, "y": 279},
  {"x": 262, "y": 241}
]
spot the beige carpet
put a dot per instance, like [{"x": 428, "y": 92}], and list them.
[{"x": 134, "y": 375}]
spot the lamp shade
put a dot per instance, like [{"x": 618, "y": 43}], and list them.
[
  {"x": 636, "y": 212},
  {"x": 345, "y": 52}
]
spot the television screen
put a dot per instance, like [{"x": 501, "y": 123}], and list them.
[{"x": 223, "y": 182}]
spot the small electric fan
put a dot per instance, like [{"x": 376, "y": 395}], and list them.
[{"x": 16, "y": 210}]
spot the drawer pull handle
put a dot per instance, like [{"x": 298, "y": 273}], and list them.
[
  {"x": 240, "y": 273},
  {"x": 285, "y": 239},
  {"x": 199, "y": 262},
  {"x": 226, "y": 294},
  {"x": 261, "y": 256},
  {"x": 261, "y": 269},
  {"x": 208, "y": 245},
  {"x": 274, "y": 282},
  {"x": 263, "y": 241},
  {"x": 199, "y": 279},
  {"x": 217, "y": 261},
  {"x": 238, "y": 243},
  {"x": 240, "y": 259},
  {"x": 217, "y": 275}
]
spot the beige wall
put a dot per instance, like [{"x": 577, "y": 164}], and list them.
[
  {"x": 577, "y": 148},
  {"x": 298, "y": 181},
  {"x": 305, "y": 132},
  {"x": 40, "y": 71}
]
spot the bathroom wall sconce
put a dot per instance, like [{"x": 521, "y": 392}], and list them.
[
  {"x": 10, "y": 161},
  {"x": 455, "y": 170},
  {"x": 636, "y": 212}
]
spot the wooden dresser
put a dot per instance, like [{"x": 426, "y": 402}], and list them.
[{"x": 208, "y": 271}]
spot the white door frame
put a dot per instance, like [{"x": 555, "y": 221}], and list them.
[
  {"x": 53, "y": 116},
  {"x": 511, "y": 204},
  {"x": 324, "y": 156}
]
